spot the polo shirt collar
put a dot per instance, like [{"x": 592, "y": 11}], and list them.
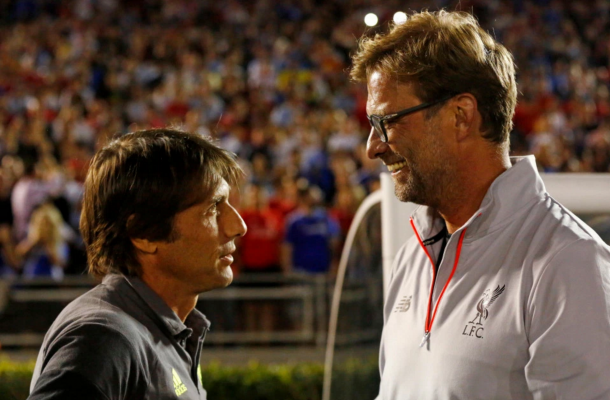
[
  {"x": 196, "y": 322},
  {"x": 509, "y": 194}
]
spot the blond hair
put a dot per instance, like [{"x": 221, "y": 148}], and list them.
[
  {"x": 46, "y": 223},
  {"x": 446, "y": 53}
]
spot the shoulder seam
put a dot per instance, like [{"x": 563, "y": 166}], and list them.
[{"x": 570, "y": 215}]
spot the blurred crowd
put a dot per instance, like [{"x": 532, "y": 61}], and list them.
[{"x": 268, "y": 80}]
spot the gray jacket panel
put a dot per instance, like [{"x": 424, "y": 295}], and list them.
[{"x": 525, "y": 316}]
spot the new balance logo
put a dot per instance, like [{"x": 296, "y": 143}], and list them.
[
  {"x": 404, "y": 304},
  {"x": 178, "y": 385}
]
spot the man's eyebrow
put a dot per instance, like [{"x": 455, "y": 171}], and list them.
[{"x": 218, "y": 198}]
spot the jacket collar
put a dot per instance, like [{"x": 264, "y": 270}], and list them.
[{"x": 508, "y": 196}]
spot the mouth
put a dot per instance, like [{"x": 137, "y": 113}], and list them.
[
  {"x": 395, "y": 167},
  {"x": 227, "y": 258}
]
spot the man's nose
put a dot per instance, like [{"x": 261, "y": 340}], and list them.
[
  {"x": 374, "y": 145},
  {"x": 235, "y": 226}
]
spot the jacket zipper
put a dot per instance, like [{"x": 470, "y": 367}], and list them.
[{"x": 430, "y": 319}]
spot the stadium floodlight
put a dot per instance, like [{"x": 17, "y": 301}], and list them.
[
  {"x": 400, "y": 18},
  {"x": 371, "y": 19}
]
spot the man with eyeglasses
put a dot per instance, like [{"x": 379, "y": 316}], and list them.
[{"x": 502, "y": 293}]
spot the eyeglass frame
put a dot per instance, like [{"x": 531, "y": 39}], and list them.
[{"x": 381, "y": 119}]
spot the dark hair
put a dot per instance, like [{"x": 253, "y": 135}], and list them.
[
  {"x": 446, "y": 53},
  {"x": 138, "y": 183}
]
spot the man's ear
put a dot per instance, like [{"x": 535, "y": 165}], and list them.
[
  {"x": 467, "y": 115},
  {"x": 144, "y": 245}
]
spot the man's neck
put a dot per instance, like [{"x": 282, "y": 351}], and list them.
[
  {"x": 472, "y": 188},
  {"x": 182, "y": 304}
]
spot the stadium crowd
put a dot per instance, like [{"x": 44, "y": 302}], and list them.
[{"x": 268, "y": 80}]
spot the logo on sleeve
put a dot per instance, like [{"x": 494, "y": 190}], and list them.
[
  {"x": 179, "y": 387},
  {"x": 475, "y": 327},
  {"x": 404, "y": 304}
]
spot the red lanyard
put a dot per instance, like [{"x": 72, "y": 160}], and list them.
[{"x": 430, "y": 321}]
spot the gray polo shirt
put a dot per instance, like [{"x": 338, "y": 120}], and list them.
[{"x": 120, "y": 341}]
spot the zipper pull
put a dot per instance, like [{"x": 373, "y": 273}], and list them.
[{"x": 424, "y": 339}]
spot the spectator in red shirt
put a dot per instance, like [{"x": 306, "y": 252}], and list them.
[
  {"x": 260, "y": 253},
  {"x": 285, "y": 199}
]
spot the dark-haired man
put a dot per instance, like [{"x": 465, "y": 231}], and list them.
[
  {"x": 502, "y": 293},
  {"x": 159, "y": 230}
]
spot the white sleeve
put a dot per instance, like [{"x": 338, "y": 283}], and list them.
[
  {"x": 568, "y": 325},
  {"x": 388, "y": 305}
]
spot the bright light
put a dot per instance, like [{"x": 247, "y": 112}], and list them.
[
  {"x": 400, "y": 18},
  {"x": 371, "y": 19}
]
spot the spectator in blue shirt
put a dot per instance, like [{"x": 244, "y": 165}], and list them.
[{"x": 312, "y": 235}]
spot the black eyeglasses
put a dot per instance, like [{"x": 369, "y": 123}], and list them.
[{"x": 378, "y": 121}]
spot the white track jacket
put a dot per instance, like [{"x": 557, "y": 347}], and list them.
[{"x": 525, "y": 313}]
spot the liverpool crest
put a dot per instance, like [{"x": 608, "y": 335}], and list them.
[{"x": 475, "y": 327}]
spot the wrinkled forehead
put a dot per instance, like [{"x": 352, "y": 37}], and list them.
[
  {"x": 378, "y": 79},
  {"x": 386, "y": 93}
]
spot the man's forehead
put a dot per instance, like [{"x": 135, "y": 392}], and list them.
[
  {"x": 385, "y": 93},
  {"x": 378, "y": 84},
  {"x": 207, "y": 196},
  {"x": 377, "y": 77}
]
